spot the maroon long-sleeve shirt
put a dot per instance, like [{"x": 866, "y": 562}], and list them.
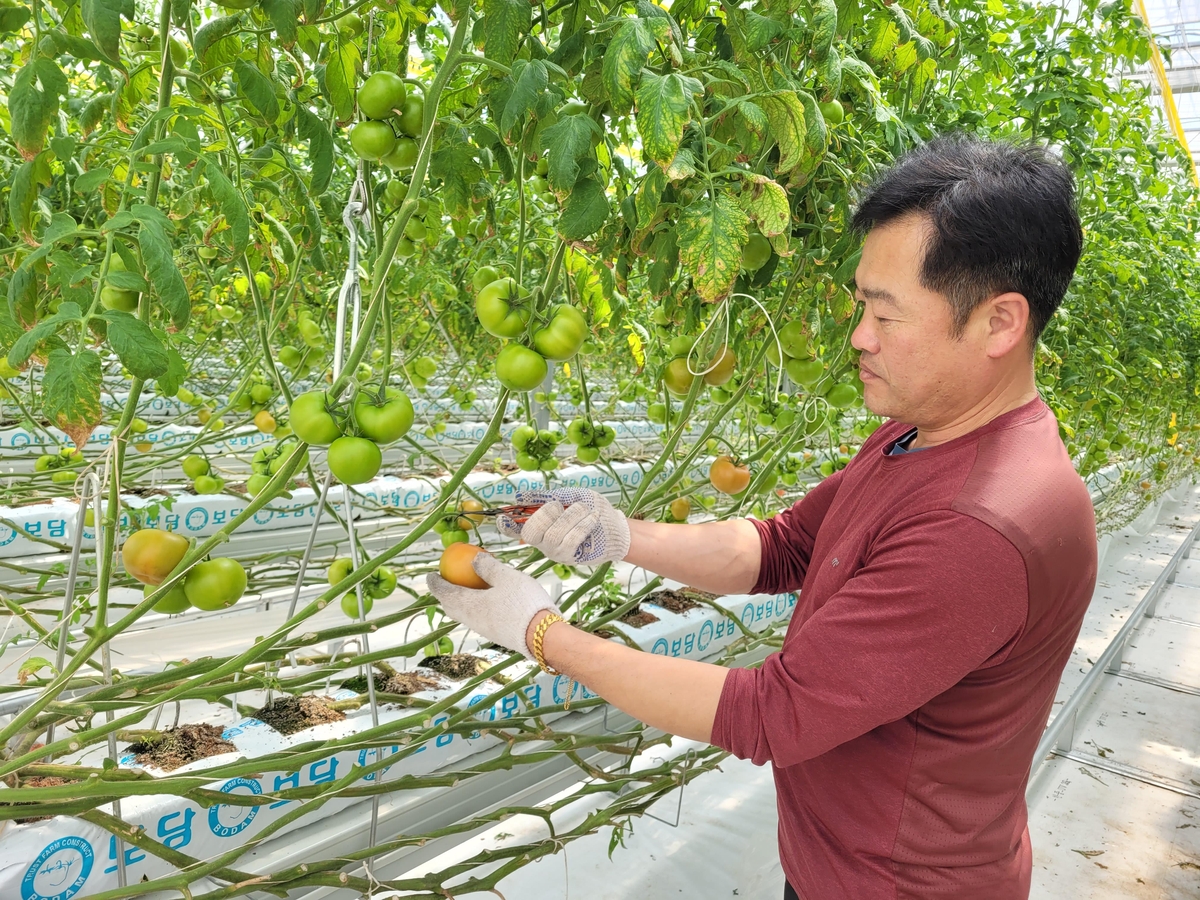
[{"x": 942, "y": 592}]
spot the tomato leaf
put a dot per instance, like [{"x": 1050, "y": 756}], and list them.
[
  {"x": 459, "y": 170},
  {"x": 13, "y": 18},
  {"x": 164, "y": 275},
  {"x": 42, "y": 332},
  {"x": 91, "y": 179},
  {"x": 585, "y": 211},
  {"x": 767, "y": 204},
  {"x": 785, "y": 112},
  {"x": 711, "y": 232},
  {"x": 233, "y": 207},
  {"x": 169, "y": 383},
  {"x": 504, "y": 21},
  {"x": 664, "y": 107},
  {"x": 103, "y": 21},
  {"x": 140, "y": 350},
  {"x": 209, "y": 35},
  {"x": 529, "y": 83},
  {"x": 257, "y": 88},
  {"x": 567, "y": 141},
  {"x": 341, "y": 74},
  {"x": 623, "y": 62},
  {"x": 320, "y": 148},
  {"x": 28, "y": 177},
  {"x": 71, "y": 392},
  {"x": 33, "y": 103},
  {"x": 285, "y": 16}
]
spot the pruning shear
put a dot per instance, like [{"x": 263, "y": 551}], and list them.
[{"x": 519, "y": 513}]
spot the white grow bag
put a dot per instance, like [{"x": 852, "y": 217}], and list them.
[{"x": 65, "y": 857}]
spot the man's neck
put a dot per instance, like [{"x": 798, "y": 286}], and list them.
[{"x": 1004, "y": 398}]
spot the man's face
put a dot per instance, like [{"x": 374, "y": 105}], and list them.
[{"x": 913, "y": 369}]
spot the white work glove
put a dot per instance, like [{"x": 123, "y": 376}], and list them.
[
  {"x": 589, "y": 530},
  {"x": 500, "y": 613}
]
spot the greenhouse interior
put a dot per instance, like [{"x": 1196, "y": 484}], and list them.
[{"x": 583, "y": 451}]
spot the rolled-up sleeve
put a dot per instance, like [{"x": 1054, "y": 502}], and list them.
[
  {"x": 788, "y": 538},
  {"x": 941, "y": 595}
]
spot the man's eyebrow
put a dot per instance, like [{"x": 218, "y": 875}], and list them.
[{"x": 878, "y": 294}]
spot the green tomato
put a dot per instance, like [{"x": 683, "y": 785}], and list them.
[
  {"x": 350, "y": 25},
  {"x": 179, "y": 53},
  {"x": 405, "y": 248},
  {"x": 412, "y": 115},
  {"x": 415, "y": 229},
  {"x": 519, "y": 368},
  {"x": 195, "y": 466},
  {"x": 756, "y": 253},
  {"x": 216, "y": 584},
  {"x": 372, "y": 140},
  {"x": 498, "y": 312},
  {"x": 842, "y": 396},
  {"x": 677, "y": 377},
  {"x": 380, "y": 584},
  {"x": 484, "y": 276},
  {"x": 256, "y": 483},
  {"x": 311, "y": 419},
  {"x": 785, "y": 419},
  {"x": 681, "y": 346},
  {"x": 289, "y": 356},
  {"x": 522, "y": 436},
  {"x": 118, "y": 299},
  {"x": 454, "y": 536},
  {"x": 657, "y": 413},
  {"x": 587, "y": 454},
  {"x": 381, "y": 94},
  {"x": 338, "y": 570},
  {"x": 832, "y": 112},
  {"x": 605, "y": 435},
  {"x": 720, "y": 396},
  {"x": 173, "y": 603},
  {"x": 425, "y": 367},
  {"x": 44, "y": 462},
  {"x": 795, "y": 341},
  {"x": 354, "y": 460},
  {"x": 261, "y": 393},
  {"x": 403, "y": 156},
  {"x": 208, "y": 484},
  {"x": 527, "y": 462},
  {"x": 565, "y": 334},
  {"x": 383, "y": 419},
  {"x": 805, "y": 372},
  {"x": 350, "y": 604},
  {"x": 63, "y": 476},
  {"x": 580, "y": 432}
]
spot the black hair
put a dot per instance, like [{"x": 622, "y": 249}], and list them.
[{"x": 1003, "y": 216}]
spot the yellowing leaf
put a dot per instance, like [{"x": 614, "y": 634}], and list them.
[
  {"x": 711, "y": 232},
  {"x": 785, "y": 112},
  {"x": 636, "y": 348}
]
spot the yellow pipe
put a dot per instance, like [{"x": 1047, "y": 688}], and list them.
[{"x": 1164, "y": 86}]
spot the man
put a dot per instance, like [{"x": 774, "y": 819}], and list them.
[{"x": 944, "y": 572}]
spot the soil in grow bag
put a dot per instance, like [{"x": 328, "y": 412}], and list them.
[
  {"x": 459, "y": 665},
  {"x": 290, "y": 714},
  {"x": 637, "y": 617},
  {"x": 677, "y": 601},
  {"x": 394, "y": 683},
  {"x": 177, "y": 747},
  {"x": 41, "y": 781}
]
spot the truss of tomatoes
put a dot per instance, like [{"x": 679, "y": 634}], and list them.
[
  {"x": 353, "y": 430},
  {"x": 589, "y": 438},
  {"x": 150, "y": 556},
  {"x": 505, "y": 310}
]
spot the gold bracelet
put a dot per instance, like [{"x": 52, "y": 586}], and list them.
[{"x": 539, "y": 635}]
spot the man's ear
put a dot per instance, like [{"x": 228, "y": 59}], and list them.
[{"x": 1007, "y": 323}]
